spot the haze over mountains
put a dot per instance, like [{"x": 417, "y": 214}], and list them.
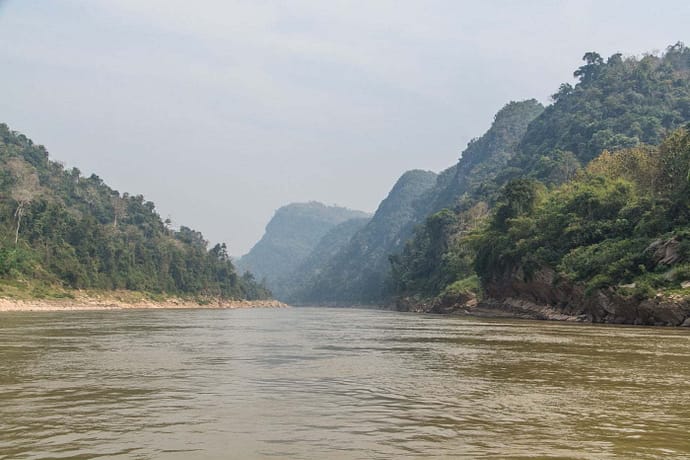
[
  {"x": 292, "y": 234},
  {"x": 290, "y": 103},
  {"x": 584, "y": 199},
  {"x": 358, "y": 270},
  {"x": 423, "y": 240}
]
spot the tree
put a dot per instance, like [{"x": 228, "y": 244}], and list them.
[
  {"x": 564, "y": 90},
  {"x": 26, "y": 188},
  {"x": 119, "y": 207},
  {"x": 518, "y": 197},
  {"x": 220, "y": 252},
  {"x": 589, "y": 71}
]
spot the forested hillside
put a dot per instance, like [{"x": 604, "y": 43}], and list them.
[
  {"x": 482, "y": 164},
  {"x": 361, "y": 271},
  {"x": 615, "y": 228},
  {"x": 291, "y": 235},
  {"x": 527, "y": 198},
  {"x": 60, "y": 229},
  {"x": 612, "y": 244},
  {"x": 617, "y": 103}
]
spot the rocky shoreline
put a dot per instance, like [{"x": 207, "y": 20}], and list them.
[
  {"x": 86, "y": 303},
  {"x": 652, "y": 312},
  {"x": 606, "y": 309},
  {"x": 543, "y": 296}
]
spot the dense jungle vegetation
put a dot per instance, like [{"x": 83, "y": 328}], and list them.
[
  {"x": 60, "y": 229},
  {"x": 605, "y": 227}
]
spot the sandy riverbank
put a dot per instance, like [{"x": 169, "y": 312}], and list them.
[{"x": 112, "y": 303}]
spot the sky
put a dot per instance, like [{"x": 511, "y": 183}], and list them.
[{"x": 222, "y": 111}]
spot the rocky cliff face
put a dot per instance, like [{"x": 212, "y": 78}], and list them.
[{"x": 544, "y": 295}]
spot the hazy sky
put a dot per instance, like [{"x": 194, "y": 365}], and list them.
[{"x": 222, "y": 111}]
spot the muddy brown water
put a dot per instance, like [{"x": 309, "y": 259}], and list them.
[{"x": 310, "y": 383}]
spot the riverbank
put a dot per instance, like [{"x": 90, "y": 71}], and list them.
[
  {"x": 121, "y": 301},
  {"x": 669, "y": 310}
]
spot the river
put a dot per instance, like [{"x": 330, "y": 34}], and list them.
[{"x": 310, "y": 383}]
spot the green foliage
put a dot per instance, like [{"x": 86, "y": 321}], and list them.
[
  {"x": 15, "y": 261},
  {"x": 469, "y": 285},
  {"x": 598, "y": 229},
  {"x": 517, "y": 198},
  {"x": 359, "y": 271},
  {"x": 426, "y": 266},
  {"x": 614, "y": 260},
  {"x": 617, "y": 103},
  {"x": 79, "y": 233},
  {"x": 440, "y": 253}
]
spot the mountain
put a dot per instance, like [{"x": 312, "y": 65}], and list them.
[
  {"x": 291, "y": 235},
  {"x": 617, "y": 103},
  {"x": 587, "y": 219},
  {"x": 358, "y": 272},
  {"x": 361, "y": 271},
  {"x": 60, "y": 229},
  {"x": 430, "y": 260},
  {"x": 311, "y": 268},
  {"x": 484, "y": 159}
]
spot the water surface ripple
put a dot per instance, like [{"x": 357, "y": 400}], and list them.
[{"x": 308, "y": 383}]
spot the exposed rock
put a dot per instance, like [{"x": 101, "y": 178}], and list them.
[
  {"x": 457, "y": 303},
  {"x": 665, "y": 252},
  {"x": 451, "y": 303},
  {"x": 412, "y": 304},
  {"x": 517, "y": 308},
  {"x": 544, "y": 295}
]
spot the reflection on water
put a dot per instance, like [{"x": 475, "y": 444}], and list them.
[{"x": 328, "y": 383}]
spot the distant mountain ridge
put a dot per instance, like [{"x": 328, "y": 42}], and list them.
[
  {"x": 360, "y": 271},
  {"x": 311, "y": 268},
  {"x": 420, "y": 241},
  {"x": 291, "y": 235},
  {"x": 483, "y": 159},
  {"x": 357, "y": 272}
]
